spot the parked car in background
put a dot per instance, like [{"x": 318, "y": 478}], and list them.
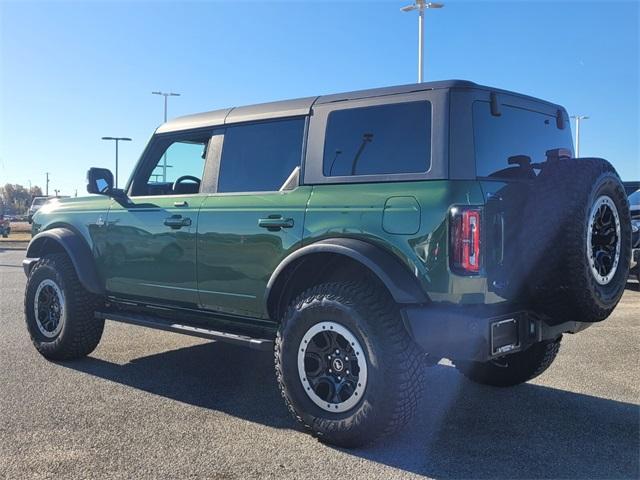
[
  {"x": 634, "y": 207},
  {"x": 35, "y": 206}
]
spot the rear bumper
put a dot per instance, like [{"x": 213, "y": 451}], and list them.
[{"x": 479, "y": 333}]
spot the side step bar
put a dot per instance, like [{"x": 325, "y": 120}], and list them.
[{"x": 159, "y": 323}]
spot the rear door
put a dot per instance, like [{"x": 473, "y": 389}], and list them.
[
  {"x": 255, "y": 218},
  {"x": 151, "y": 238}
]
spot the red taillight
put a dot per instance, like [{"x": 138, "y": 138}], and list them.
[{"x": 465, "y": 240}]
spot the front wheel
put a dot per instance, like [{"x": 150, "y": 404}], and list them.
[
  {"x": 346, "y": 367},
  {"x": 512, "y": 369},
  {"x": 59, "y": 312}
]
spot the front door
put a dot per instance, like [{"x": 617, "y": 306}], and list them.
[
  {"x": 151, "y": 238},
  {"x": 256, "y": 217}
]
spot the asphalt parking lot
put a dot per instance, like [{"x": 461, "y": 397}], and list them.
[{"x": 149, "y": 404}]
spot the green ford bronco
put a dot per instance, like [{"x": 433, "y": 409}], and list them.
[{"x": 360, "y": 236}]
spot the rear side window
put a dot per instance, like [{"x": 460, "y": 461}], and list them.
[
  {"x": 259, "y": 157},
  {"x": 378, "y": 140},
  {"x": 516, "y": 132}
]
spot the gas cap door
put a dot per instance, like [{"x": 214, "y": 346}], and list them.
[{"x": 401, "y": 216}]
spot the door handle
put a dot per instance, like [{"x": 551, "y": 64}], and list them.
[
  {"x": 177, "y": 221},
  {"x": 275, "y": 223}
]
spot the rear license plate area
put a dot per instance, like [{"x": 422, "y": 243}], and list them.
[{"x": 504, "y": 336}]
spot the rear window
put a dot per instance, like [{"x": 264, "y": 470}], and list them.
[
  {"x": 516, "y": 132},
  {"x": 384, "y": 139},
  {"x": 260, "y": 157}
]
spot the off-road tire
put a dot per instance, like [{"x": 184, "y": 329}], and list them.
[
  {"x": 394, "y": 362},
  {"x": 81, "y": 331},
  {"x": 512, "y": 369},
  {"x": 554, "y": 262}
]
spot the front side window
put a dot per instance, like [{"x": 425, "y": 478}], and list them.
[
  {"x": 524, "y": 136},
  {"x": 259, "y": 157},
  {"x": 177, "y": 166},
  {"x": 378, "y": 140}
]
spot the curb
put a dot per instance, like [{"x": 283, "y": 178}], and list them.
[{"x": 13, "y": 245}]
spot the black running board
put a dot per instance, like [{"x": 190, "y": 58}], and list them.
[{"x": 159, "y": 323}]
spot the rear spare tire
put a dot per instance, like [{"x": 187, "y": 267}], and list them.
[{"x": 576, "y": 240}]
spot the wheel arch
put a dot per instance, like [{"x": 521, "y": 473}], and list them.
[
  {"x": 397, "y": 278},
  {"x": 66, "y": 240}
]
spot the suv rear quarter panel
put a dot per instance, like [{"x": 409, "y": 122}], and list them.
[{"x": 358, "y": 211}]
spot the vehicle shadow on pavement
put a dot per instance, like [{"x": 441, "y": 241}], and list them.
[
  {"x": 218, "y": 376},
  {"x": 462, "y": 430}
]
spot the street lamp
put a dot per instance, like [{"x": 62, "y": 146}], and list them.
[
  {"x": 117, "y": 139},
  {"x": 164, "y": 157},
  {"x": 578, "y": 118},
  {"x": 421, "y": 5}
]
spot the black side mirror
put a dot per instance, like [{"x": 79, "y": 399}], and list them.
[{"x": 100, "y": 181}]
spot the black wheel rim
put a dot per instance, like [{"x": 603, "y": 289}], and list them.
[
  {"x": 332, "y": 367},
  {"x": 49, "y": 308},
  {"x": 604, "y": 240}
]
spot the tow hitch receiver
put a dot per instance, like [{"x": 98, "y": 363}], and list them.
[{"x": 504, "y": 336}]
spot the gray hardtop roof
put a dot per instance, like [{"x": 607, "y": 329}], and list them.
[{"x": 302, "y": 106}]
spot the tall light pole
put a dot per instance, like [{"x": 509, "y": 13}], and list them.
[
  {"x": 47, "y": 185},
  {"x": 421, "y": 5},
  {"x": 166, "y": 95},
  {"x": 117, "y": 139},
  {"x": 578, "y": 118}
]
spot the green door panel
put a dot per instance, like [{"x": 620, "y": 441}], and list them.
[
  {"x": 236, "y": 256},
  {"x": 362, "y": 211},
  {"x": 144, "y": 257}
]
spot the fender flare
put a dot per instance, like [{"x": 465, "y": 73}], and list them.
[
  {"x": 77, "y": 250},
  {"x": 401, "y": 282}
]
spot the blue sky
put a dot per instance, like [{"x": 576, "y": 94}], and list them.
[{"x": 72, "y": 72}]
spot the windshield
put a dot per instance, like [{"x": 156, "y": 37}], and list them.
[{"x": 505, "y": 145}]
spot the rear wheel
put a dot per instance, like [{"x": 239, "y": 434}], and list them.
[
  {"x": 512, "y": 369},
  {"x": 346, "y": 367},
  {"x": 59, "y": 312}
]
